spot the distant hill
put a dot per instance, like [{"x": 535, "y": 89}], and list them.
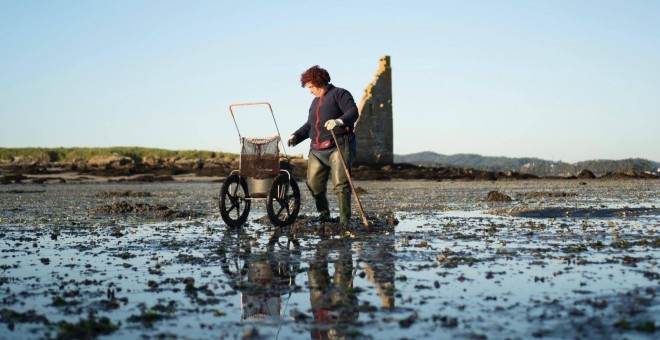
[{"x": 535, "y": 166}]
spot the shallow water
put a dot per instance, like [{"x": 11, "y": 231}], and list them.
[{"x": 580, "y": 261}]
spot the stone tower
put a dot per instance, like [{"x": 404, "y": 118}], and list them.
[{"x": 373, "y": 129}]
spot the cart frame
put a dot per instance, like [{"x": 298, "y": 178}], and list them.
[{"x": 238, "y": 191}]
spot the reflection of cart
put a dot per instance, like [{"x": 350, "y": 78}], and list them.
[
  {"x": 262, "y": 276},
  {"x": 260, "y": 177}
]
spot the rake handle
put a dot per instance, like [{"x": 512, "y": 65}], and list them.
[{"x": 350, "y": 181}]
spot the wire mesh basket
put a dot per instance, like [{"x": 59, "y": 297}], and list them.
[{"x": 260, "y": 157}]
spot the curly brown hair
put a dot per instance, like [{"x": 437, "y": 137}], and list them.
[{"x": 317, "y": 76}]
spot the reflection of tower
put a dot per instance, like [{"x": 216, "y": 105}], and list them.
[
  {"x": 373, "y": 130},
  {"x": 378, "y": 264}
]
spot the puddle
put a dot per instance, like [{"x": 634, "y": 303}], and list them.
[{"x": 454, "y": 265}]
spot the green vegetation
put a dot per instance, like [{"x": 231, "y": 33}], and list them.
[
  {"x": 157, "y": 313},
  {"x": 621, "y": 244},
  {"x": 147, "y": 318},
  {"x": 125, "y": 255},
  {"x": 577, "y": 248},
  {"x": 86, "y": 328},
  {"x": 644, "y": 326},
  {"x": 656, "y": 242},
  {"x": 72, "y": 154},
  {"x": 59, "y": 301}
]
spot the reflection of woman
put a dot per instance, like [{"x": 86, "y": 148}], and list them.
[{"x": 333, "y": 300}]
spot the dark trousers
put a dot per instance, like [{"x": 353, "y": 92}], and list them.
[{"x": 328, "y": 164}]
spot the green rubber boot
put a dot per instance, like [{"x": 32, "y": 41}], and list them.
[
  {"x": 344, "y": 199},
  {"x": 322, "y": 207}
]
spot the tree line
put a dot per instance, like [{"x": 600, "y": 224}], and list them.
[{"x": 49, "y": 155}]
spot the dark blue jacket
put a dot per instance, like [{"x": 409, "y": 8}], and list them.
[{"x": 335, "y": 103}]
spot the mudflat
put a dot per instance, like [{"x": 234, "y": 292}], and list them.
[{"x": 561, "y": 259}]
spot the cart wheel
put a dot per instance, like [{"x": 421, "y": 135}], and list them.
[
  {"x": 234, "y": 207},
  {"x": 283, "y": 202}
]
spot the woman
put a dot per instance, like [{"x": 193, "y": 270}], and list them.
[{"x": 333, "y": 109}]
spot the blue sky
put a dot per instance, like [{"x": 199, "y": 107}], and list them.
[{"x": 559, "y": 80}]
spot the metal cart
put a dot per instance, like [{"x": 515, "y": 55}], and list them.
[{"x": 261, "y": 177}]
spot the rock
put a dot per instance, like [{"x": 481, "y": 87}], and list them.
[
  {"x": 161, "y": 211},
  {"x": 127, "y": 193},
  {"x": 634, "y": 173},
  {"x": 127, "y": 207},
  {"x": 214, "y": 167},
  {"x": 107, "y": 162},
  {"x": 152, "y": 162},
  {"x": 586, "y": 174},
  {"x": 409, "y": 321},
  {"x": 30, "y": 160},
  {"x": 630, "y": 173},
  {"x": 212, "y": 164},
  {"x": 150, "y": 178},
  {"x": 42, "y": 180},
  {"x": 495, "y": 196},
  {"x": 189, "y": 164},
  {"x": 8, "y": 179},
  {"x": 537, "y": 194}
]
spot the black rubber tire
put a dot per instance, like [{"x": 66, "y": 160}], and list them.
[
  {"x": 283, "y": 201},
  {"x": 234, "y": 208}
]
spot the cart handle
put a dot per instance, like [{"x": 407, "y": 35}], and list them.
[
  {"x": 248, "y": 104},
  {"x": 271, "y": 113}
]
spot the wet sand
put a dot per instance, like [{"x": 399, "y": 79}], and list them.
[{"x": 563, "y": 259}]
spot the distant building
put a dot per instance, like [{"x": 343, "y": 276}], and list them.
[{"x": 373, "y": 130}]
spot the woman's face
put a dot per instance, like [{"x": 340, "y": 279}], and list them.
[{"x": 316, "y": 91}]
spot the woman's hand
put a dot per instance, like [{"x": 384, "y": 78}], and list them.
[
  {"x": 332, "y": 123},
  {"x": 293, "y": 141}
]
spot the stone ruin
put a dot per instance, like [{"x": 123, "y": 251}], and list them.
[{"x": 373, "y": 129}]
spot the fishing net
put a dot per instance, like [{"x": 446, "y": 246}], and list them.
[{"x": 260, "y": 157}]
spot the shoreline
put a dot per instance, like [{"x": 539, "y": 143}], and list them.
[
  {"x": 116, "y": 169},
  {"x": 78, "y": 178}
]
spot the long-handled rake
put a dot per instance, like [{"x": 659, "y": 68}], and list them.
[{"x": 350, "y": 181}]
